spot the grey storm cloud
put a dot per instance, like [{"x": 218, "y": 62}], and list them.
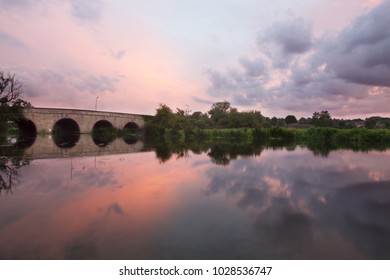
[
  {"x": 361, "y": 53},
  {"x": 96, "y": 83},
  {"x": 83, "y": 11},
  {"x": 86, "y": 11},
  {"x": 284, "y": 40},
  {"x": 60, "y": 85},
  {"x": 294, "y": 36},
  {"x": 243, "y": 85},
  {"x": 8, "y": 40},
  {"x": 15, "y": 3},
  {"x": 254, "y": 68},
  {"x": 218, "y": 80},
  {"x": 119, "y": 54},
  {"x": 236, "y": 87},
  {"x": 331, "y": 72}
]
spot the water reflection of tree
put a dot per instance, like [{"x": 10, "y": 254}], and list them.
[
  {"x": 165, "y": 151},
  {"x": 220, "y": 153},
  {"x": 323, "y": 147},
  {"x": 11, "y": 161}
]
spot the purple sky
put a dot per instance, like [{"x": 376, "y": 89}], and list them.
[{"x": 280, "y": 57}]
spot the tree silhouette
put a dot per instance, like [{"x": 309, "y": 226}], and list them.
[{"x": 10, "y": 99}]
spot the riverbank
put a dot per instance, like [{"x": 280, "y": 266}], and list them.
[{"x": 321, "y": 139}]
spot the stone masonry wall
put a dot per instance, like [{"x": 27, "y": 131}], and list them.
[{"x": 45, "y": 118}]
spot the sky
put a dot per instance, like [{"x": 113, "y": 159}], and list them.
[{"x": 279, "y": 57}]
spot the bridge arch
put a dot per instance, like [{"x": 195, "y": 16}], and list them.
[
  {"x": 103, "y": 133},
  {"x": 131, "y": 126},
  {"x": 130, "y": 129},
  {"x": 66, "y": 126},
  {"x": 102, "y": 124},
  {"x": 66, "y": 133},
  {"x": 27, "y": 132},
  {"x": 26, "y": 127}
]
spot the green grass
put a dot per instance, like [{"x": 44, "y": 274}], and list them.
[{"x": 190, "y": 135}]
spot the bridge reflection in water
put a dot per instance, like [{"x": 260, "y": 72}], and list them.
[{"x": 46, "y": 147}]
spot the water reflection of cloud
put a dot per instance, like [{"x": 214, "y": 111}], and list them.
[
  {"x": 96, "y": 178},
  {"x": 200, "y": 163},
  {"x": 282, "y": 231},
  {"x": 115, "y": 208},
  {"x": 80, "y": 218},
  {"x": 297, "y": 195},
  {"x": 252, "y": 197},
  {"x": 85, "y": 243},
  {"x": 67, "y": 175},
  {"x": 363, "y": 215},
  {"x": 83, "y": 248}
]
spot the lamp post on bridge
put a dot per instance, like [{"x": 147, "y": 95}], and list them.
[{"x": 96, "y": 102}]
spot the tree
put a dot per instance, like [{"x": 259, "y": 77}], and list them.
[
  {"x": 223, "y": 106},
  {"x": 251, "y": 118},
  {"x": 10, "y": 99},
  {"x": 219, "y": 112},
  {"x": 182, "y": 119},
  {"x": 305, "y": 121},
  {"x": 387, "y": 123},
  {"x": 280, "y": 123},
  {"x": 201, "y": 120},
  {"x": 322, "y": 119},
  {"x": 10, "y": 90},
  {"x": 290, "y": 119},
  {"x": 371, "y": 122},
  {"x": 274, "y": 121},
  {"x": 164, "y": 116},
  {"x": 183, "y": 112}
]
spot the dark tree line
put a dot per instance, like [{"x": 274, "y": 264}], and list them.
[
  {"x": 324, "y": 119},
  {"x": 221, "y": 115}
]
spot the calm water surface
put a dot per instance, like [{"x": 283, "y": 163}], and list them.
[{"x": 133, "y": 204}]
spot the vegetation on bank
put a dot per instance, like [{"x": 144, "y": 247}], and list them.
[
  {"x": 225, "y": 122},
  {"x": 222, "y": 116}
]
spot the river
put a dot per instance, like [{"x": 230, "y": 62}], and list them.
[{"x": 215, "y": 201}]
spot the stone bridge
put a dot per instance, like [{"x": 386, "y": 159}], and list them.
[{"x": 44, "y": 120}]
